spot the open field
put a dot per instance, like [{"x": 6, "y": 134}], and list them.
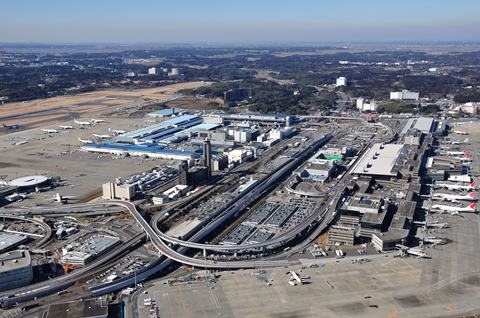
[{"x": 44, "y": 112}]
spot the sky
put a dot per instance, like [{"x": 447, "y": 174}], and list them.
[{"x": 234, "y": 21}]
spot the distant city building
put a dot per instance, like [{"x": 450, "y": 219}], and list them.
[
  {"x": 364, "y": 106},
  {"x": 237, "y": 95},
  {"x": 341, "y": 81},
  {"x": 404, "y": 95},
  {"x": 153, "y": 71},
  {"x": 174, "y": 72}
]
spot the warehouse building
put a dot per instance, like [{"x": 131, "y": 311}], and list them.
[
  {"x": 84, "y": 251},
  {"x": 15, "y": 269},
  {"x": 9, "y": 241}
]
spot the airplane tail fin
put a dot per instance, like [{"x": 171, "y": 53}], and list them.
[
  {"x": 473, "y": 206},
  {"x": 473, "y": 184}
]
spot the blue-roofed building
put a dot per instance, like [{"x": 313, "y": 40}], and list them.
[{"x": 150, "y": 150}]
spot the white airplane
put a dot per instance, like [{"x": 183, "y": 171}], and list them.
[
  {"x": 432, "y": 224},
  {"x": 60, "y": 198},
  {"x": 102, "y": 136},
  {"x": 84, "y": 141},
  {"x": 97, "y": 121},
  {"x": 19, "y": 143},
  {"x": 472, "y": 208},
  {"x": 65, "y": 127},
  {"x": 50, "y": 131},
  {"x": 412, "y": 251},
  {"x": 434, "y": 240},
  {"x": 455, "y": 197},
  {"x": 460, "y": 132},
  {"x": 16, "y": 197},
  {"x": 459, "y": 142},
  {"x": 466, "y": 158},
  {"x": 82, "y": 123},
  {"x": 472, "y": 186},
  {"x": 297, "y": 278},
  {"x": 117, "y": 131},
  {"x": 456, "y": 153}
]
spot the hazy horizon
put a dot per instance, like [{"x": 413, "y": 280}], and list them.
[{"x": 213, "y": 21}]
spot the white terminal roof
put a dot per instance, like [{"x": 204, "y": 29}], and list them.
[
  {"x": 378, "y": 160},
  {"x": 28, "y": 181},
  {"x": 424, "y": 124}
]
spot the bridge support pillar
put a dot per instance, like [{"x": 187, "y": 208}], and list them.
[
  {"x": 204, "y": 253},
  {"x": 235, "y": 254}
]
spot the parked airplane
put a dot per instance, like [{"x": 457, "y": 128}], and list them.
[
  {"x": 436, "y": 224},
  {"x": 102, "y": 136},
  {"x": 82, "y": 123},
  {"x": 60, "y": 198},
  {"x": 97, "y": 121},
  {"x": 460, "y": 132},
  {"x": 472, "y": 208},
  {"x": 50, "y": 131},
  {"x": 16, "y": 197},
  {"x": 454, "y": 197},
  {"x": 65, "y": 127},
  {"x": 459, "y": 142},
  {"x": 84, "y": 141},
  {"x": 412, "y": 251},
  {"x": 433, "y": 240},
  {"x": 472, "y": 186},
  {"x": 19, "y": 143},
  {"x": 14, "y": 126},
  {"x": 466, "y": 158},
  {"x": 294, "y": 276},
  {"x": 456, "y": 153},
  {"x": 117, "y": 131}
]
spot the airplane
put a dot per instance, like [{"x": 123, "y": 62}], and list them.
[
  {"x": 82, "y": 123},
  {"x": 84, "y": 141},
  {"x": 436, "y": 224},
  {"x": 14, "y": 126},
  {"x": 102, "y": 136},
  {"x": 472, "y": 186},
  {"x": 294, "y": 276},
  {"x": 117, "y": 131},
  {"x": 466, "y": 158},
  {"x": 458, "y": 142},
  {"x": 19, "y": 143},
  {"x": 460, "y": 132},
  {"x": 433, "y": 240},
  {"x": 15, "y": 197},
  {"x": 472, "y": 208},
  {"x": 454, "y": 197},
  {"x": 97, "y": 121},
  {"x": 412, "y": 251},
  {"x": 50, "y": 131},
  {"x": 456, "y": 153},
  {"x": 65, "y": 127},
  {"x": 60, "y": 198}
]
